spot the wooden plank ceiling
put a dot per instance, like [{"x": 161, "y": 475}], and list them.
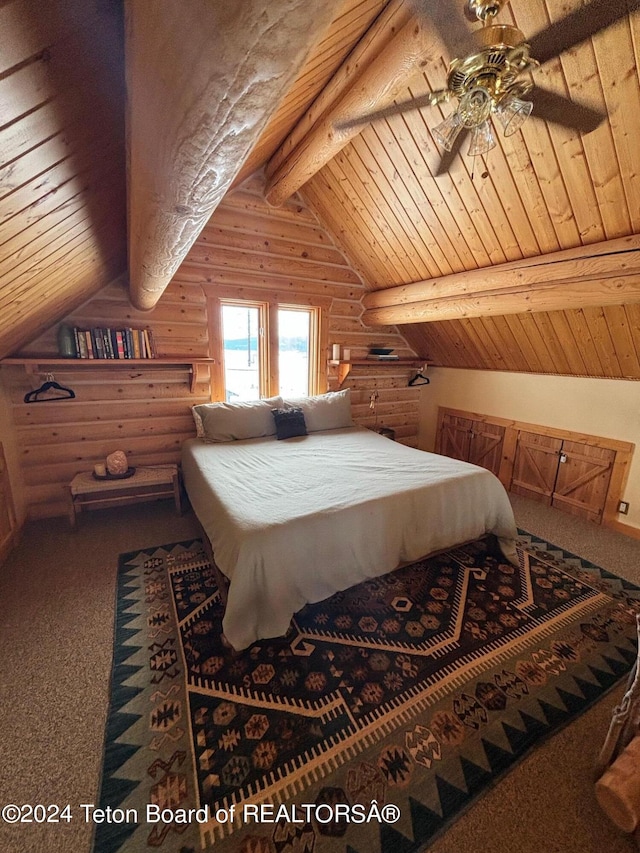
[
  {"x": 62, "y": 185},
  {"x": 546, "y": 188},
  {"x": 62, "y": 149},
  {"x": 542, "y": 190}
]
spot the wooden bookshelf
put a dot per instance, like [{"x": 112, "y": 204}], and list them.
[
  {"x": 344, "y": 367},
  {"x": 46, "y": 364}
]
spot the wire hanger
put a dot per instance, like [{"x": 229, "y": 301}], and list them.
[
  {"x": 50, "y": 384},
  {"x": 419, "y": 379}
]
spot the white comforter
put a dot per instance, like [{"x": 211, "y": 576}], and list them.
[{"x": 295, "y": 521}]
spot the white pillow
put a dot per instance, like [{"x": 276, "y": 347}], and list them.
[
  {"x": 236, "y": 421},
  {"x": 325, "y": 411}
]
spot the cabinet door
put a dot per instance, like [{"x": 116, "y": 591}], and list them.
[
  {"x": 536, "y": 466},
  {"x": 455, "y": 437},
  {"x": 486, "y": 445},
  {"x": 583, "y": 479}
]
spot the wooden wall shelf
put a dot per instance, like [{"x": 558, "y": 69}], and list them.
[
  {"x": 47, "y": 365},
  {"x": 344, "y": 367}
]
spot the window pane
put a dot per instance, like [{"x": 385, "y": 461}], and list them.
[
  {"x": 240, "y": 330},
  {"x": 293, "y": 353}
]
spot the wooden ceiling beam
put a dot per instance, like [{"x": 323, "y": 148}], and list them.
[
  {"x": 378, "y": 85},
  {"x": 203, "y": 79},
  {"x": 390, "y": 21},
  {"x": 622, "y": 290},
  {"x": 606, "y": 273}
]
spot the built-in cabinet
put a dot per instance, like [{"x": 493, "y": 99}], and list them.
[
  {"x": 7, "y": 514},
  {"x": 577, "y": 473},
  {"x": 570, "y": 475},
  {"x": 472, "y": 440}
]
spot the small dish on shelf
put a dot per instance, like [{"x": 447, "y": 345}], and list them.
[
  {"x": 381, "y": 350},
  {"x": 128, "y": 473}
]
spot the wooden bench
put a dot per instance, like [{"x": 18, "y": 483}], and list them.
[{"x": 147, "y": 484}]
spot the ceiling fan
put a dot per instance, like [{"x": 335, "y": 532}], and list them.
[{"x": 490, "y": 74}]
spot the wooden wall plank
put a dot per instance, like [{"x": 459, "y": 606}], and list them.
[{"x": 146, "y": 412}]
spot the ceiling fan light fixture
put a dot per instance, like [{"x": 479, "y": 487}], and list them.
[
  {"x": 447, "y": 131},
  {"x": 482, "y": 140},
  {"x": 512, "y": 112},
  {"x": 475, "y": 106}
]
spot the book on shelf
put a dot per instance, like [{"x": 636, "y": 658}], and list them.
[
  {"x": 378, "y": 357},
  {"x": 114, "y": 343}
]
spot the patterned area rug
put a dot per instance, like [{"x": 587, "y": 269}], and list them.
[{"x": 384, "y": 712}]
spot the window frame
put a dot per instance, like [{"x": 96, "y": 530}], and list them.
[
  {"x": 263, "y": 335},
  {"x": 268, "y": 339}
]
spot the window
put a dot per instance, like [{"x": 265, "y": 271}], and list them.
[
  {"x": 266, "y": 348},
  {"x": 241, "y": 335},
  {"x": 294, "y": 347}
]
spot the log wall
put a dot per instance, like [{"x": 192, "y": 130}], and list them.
[
  {"x": 247, "y": 246},
  {"x": 145, "y": 412}
]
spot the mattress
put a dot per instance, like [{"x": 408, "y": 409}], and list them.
[{"x": 294, "y": 521}]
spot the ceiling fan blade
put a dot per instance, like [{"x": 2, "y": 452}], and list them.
[
  {"x": 449, "y": 156},
  {"x": 393, "y": 109},
  {"x": 560, "y": 110},
  {"x": 449, "y": 20},
  {"x": 578, "y": 26}
]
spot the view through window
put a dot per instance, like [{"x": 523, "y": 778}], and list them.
[
  {"x": 243, "y": 338},
  {"x": 293, "y": 351},
  {"x": 241, "y": 335}
]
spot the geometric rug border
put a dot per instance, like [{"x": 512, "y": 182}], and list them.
[
  {"x": 517, "y": 759},
  {"x": 111, "y": 791}
]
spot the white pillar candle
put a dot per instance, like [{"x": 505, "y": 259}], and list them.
[
  {"x": 100, "y": 470},
  {"x": 346, "y": 354},
  {"x": 336, "y": 352}
]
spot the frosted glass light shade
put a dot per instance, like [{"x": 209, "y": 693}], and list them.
[
  {"x": 512, "y": 113},
  {"x": 446, "y": 133},
  {"x": 482, "y": 140},
  {"x": 475, "y": 107}
]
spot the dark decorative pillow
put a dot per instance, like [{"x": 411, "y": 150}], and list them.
[{"x": 289, "y": 423}]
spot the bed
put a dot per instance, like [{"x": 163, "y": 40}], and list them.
[{"x": 294, "y": 521}]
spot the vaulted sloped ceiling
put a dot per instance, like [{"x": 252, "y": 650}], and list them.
[
  {"x": 62, "y": 171},
  {"x": 546, "y": 188},
  {"x": 353, "y": 20},
  {"x": 63, "y": 206},
  {"x": 541, "y": 191}
]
